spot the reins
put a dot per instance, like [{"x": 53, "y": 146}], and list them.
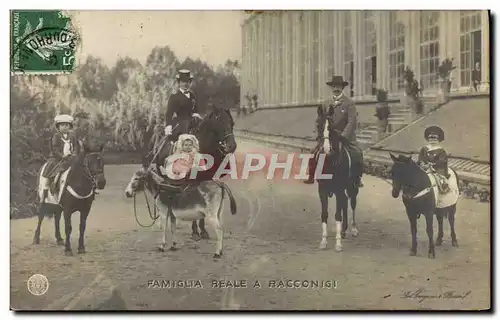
[{"x": 153, "y": 216}]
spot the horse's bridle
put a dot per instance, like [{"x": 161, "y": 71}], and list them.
[
  {"x": 87, "y": 172},
  {"x": 222, "y": 148}
]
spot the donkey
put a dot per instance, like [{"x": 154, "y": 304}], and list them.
[
  {"x": 76, "y": 193},
  {"x": 203, "y": 200},
  {"x": 337, "y": 162},
  {"x": 215, "y": 134},
  {"x": 421, "y": 196}
]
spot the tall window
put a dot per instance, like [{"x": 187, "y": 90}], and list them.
[
  {"x": 288, "y": 53},
  {"x": 330, "y": 44},
  {"x": 347, "y": 50},
  {"x": 314, "y": 85},
  {"x": 470, "y": 44},
  {"x": 273, "y": 84},
  {"x": 429, "y": 49},
  {"x": 295, "y": 41},
  {"x": 268, "y": 58},
  {"x": 246, "y": 62},
  {"x": 370, "y": 52},
  {"x": 282, "y": 57},
  {"x": 259, "y": 79},
  {"x": 302, "y": 56},
  {"x": 396, "y": 53}
]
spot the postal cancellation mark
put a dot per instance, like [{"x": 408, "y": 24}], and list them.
[{"x": 42, "y": 42}]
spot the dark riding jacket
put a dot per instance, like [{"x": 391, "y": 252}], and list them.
[
  {"x": 435, "y": 156},
  {"x": 182, "y": 106},
  {"x": 57, "y": 162},
  {"x": 344, "y": 118}
]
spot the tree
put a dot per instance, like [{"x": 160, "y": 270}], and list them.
[
  {"x": 96, "y": 79},
  {"x": 123, "y": 68},
  {"x": 161, "y": 66}
]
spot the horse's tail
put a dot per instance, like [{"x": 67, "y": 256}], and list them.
[{"x": 232, "y": 201}]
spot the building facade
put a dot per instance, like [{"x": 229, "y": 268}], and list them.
[{"x": 289, "y": 55}]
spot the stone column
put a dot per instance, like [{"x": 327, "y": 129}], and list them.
[
  {"x": 338, "y": 46},
  {"x": 358, "y": 41},
  {"x": 453, "y": 46},
  {"x": 383, "y": 36},
  {"x": 412, "y": 42},
  {"x": 485, "y": 51},
  {"x": 323, "y": 47}
]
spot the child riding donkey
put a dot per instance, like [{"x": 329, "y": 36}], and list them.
[
  {"x": 186, "y": 145},
  {"x": 63, "y": 148},
  {"x": 433, "y": 157}
]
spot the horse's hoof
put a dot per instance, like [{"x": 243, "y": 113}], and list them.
[
  {"x": 439, "y": 241},
  {"x": 204, "y": 235},
  {"x": 322, "y": 245},
  {"x": 68, "y": 253},
  {"x": 81, "y": 250},
  {"x": 355, "y": 232},
  {"x": 432, "y": 255},
  {"x": 60, "y": 242},
  {"x": 195, "y": 237},
  {"x": 338, "y": 247},
  {"x": 413, "y": 253},
  {"x": 173, "y": 248},
  {"x": 454, "y": 243},
  {"x": 342, "y": 234},
  {"x": 217, "y": 255},
  {"x": 161, "y": 249},
  {"x": 36, "y": 241}
]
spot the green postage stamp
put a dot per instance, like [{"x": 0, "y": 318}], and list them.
[{"x": 42, "y": 42}]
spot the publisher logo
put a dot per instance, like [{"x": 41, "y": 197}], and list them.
[{"x": 38, "y": 284}]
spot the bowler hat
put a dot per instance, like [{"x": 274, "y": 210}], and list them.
[
  {"x": 434, "y": 130},
  {"x": 184, "y": 75},
  {"x": 337, "y": 81}
]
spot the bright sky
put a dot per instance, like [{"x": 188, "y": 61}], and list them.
[{"x": 212, "y": 36}]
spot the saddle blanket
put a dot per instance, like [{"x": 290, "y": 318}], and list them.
[
  {"x": 43, "y": 183},
  {"x": 449, "y": 198}
]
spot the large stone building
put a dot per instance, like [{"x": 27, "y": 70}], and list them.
[{"x": 289, "y": 55}]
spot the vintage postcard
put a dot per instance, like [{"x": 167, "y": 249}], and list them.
[{"x": 250, "y": 160}]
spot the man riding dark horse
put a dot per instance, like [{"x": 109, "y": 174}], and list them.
[{"x": 344, "y": 122}]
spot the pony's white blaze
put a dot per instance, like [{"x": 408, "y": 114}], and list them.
[
  {"x": 326, "y": 140},
  {"x": 44, "y": 183}
]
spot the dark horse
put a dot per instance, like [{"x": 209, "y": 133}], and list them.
[
  {"x": 216, "y": 138},
  {"x": 77, "y": 194},
  {"x": 342, "y": 184},
  {"x": 419, "y": 197}
]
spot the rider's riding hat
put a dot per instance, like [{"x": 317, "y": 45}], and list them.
[
  {"x": 434, "y": 131},
  {"x": 63, "y": 118},
  {"x": 184, "y": 75},
  {"x": 337, "y": 81}
]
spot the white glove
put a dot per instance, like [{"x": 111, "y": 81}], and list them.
[
  {"x": 168, "y": 130},
  {"x": 196, "y": 115}
]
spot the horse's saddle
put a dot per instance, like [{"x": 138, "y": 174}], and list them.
[
  {"x": 441, "y": 181},
  {"x": 172, "y": 186}
]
